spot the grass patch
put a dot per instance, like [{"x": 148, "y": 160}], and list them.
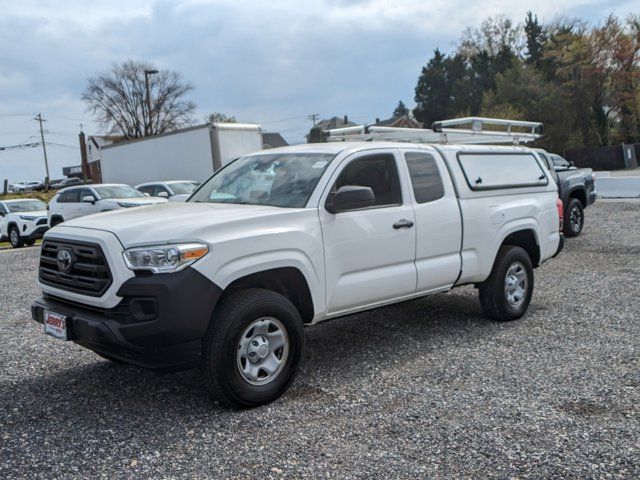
[
  {"x": 8, "y": 245},
  {"x": 44, "y": 196}
]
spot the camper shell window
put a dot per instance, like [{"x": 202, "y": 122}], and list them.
[{"x": 497, "y": 170}]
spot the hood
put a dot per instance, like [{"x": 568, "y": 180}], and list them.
[
  {"x": 35, "y": 214},
  {"x": 138, "y": 200},
  {"x": 180, "y": 197},
  {"x": 173, "y": 221}
]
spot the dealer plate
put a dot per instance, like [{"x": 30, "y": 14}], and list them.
[{"x": 55, "y": 325}]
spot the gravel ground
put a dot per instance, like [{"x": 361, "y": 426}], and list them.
[{"x": 424, "y": 389}]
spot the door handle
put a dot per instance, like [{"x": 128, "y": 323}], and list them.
[{"x": 404, "y": 223}]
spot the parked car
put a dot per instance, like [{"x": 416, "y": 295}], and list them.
[
  {"x": 67, "y": 182},
  {"x": 74, "y": 202},
  {"x": 22, "y": 221},
  {"x": 174, "y": 190},
  {"x": 290, "y": 237},
  {"x": 576, "y": 187},
  {"x": 20, "y": 186}
]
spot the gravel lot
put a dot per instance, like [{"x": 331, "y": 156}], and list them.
[{"x": 424, "y": 389}]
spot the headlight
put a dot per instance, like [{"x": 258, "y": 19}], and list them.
[
  {"x": 128, "y": 205},
  {"x": 164, "y": 258},
  {"x": 27, "y": 218}
]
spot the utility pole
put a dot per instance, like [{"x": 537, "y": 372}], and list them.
[
  {"x": 148, "y": 129},
  {"x": 83, "y": 155},
  {"x": 313, "y": 118},
  {"x": 44, "y": 150}
]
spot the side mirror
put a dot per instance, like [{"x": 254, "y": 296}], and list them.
[
  {"x": 89, "y": 199},
  {"x": 350, "y": 197},
  {"x": 163, "y": 194},
  {"x": 572, "y": 163},
  {"x": 146, "y": 194}
]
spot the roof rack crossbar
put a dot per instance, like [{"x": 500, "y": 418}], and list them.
[{"x": 445, "y": 132}]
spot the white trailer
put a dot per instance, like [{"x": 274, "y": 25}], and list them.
[{"x": 192, "y": 153}]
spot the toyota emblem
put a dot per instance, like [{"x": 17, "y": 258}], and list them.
[{"x": 64, "y": 260}]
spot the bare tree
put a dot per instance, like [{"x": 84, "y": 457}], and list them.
[
  {"x": 117, "y": 97},
  {"x": 217, "y": 117}
]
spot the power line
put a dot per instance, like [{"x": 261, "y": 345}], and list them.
[
  {"x": 285, "y": 119},
  {"x": 20, "y": 146},
  {"x": 75, "y": 147}
]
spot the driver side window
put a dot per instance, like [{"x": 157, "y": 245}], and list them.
[{"x": 378, "y": 172}]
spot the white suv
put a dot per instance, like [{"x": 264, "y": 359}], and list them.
[
  {"x": 292, "y": 236},
  {"x": 73, "y": 202},
  {"x": 174, "y": 190},
  {"x": 22, "y": 221}
]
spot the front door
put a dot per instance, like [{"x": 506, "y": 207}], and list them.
[{"x": 369, "y": 253}]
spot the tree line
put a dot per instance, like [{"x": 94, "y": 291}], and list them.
[{"x": 582, "y": 81}]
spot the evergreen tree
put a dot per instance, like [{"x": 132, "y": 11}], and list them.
[
  {"x": 432, "y": 91},
  {"x": 535, "y": 39},
  {"x": 400, "y": 111}
]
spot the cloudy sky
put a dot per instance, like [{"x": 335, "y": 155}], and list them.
[{"x": 269, "y": 62}]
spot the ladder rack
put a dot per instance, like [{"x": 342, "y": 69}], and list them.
[{"x": 446, "y": 131}]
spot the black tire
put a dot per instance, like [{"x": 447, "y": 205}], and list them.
[
  {"x": 494, "y": 296},
  {"x": 221, "y": 347},
  {"x": 14, "y": 237},
  {"x": 29, "y": 243},
  {"x": 573, "y": 218},
  {"x": 56, "y": 221}
]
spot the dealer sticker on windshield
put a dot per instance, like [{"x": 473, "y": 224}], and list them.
[{"x": 55, "y": 325}]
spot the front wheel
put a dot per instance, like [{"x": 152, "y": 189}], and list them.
[
  {"x": 573, "y": 218},
  {"x": 252, "y": 349},
  {"x": 506, "y": 294},
  {"x": 14, "y": 237}
]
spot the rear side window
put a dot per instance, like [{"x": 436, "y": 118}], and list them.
[
  {"x": 494, "y": 170},
  {"x": 425, "y": 177},
  {"x": 70, "y": 196},
  {"x": 148, "y": 189}
]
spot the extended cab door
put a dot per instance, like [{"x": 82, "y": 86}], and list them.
[
  {"x": 438, "y": 221},
  {"x": 369, "y": 253}
]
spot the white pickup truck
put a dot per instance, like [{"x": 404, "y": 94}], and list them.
[{"x": 292, "y": 236}]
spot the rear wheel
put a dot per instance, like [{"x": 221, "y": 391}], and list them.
[
  {"x": 55, "y": 221},
  {"x": 14, "y": 237},
  {"x": 252, "y": 349},
  {"x": 506, "y": 294},
  {"x": 573, "y": 218},
  {"x": 29, "y": 243}
]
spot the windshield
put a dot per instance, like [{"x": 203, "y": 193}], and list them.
[
  {"x": 117, "y": 191},
  {"x": 279, "y": 180},
  {"x": 558, "y": 161},
  {"x": 26, "y": 206},
  {"x": 182, "y": 187}
]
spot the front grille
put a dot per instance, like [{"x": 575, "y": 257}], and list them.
[
  {"x": 42, "y": 221},
  {"x": 89, "y": 273}
]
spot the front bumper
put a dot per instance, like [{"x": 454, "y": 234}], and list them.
[
  {"x": 36, "y": 234},
  {"x": 159, "y": 323},
  {"x": 592, "y": 197}
]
